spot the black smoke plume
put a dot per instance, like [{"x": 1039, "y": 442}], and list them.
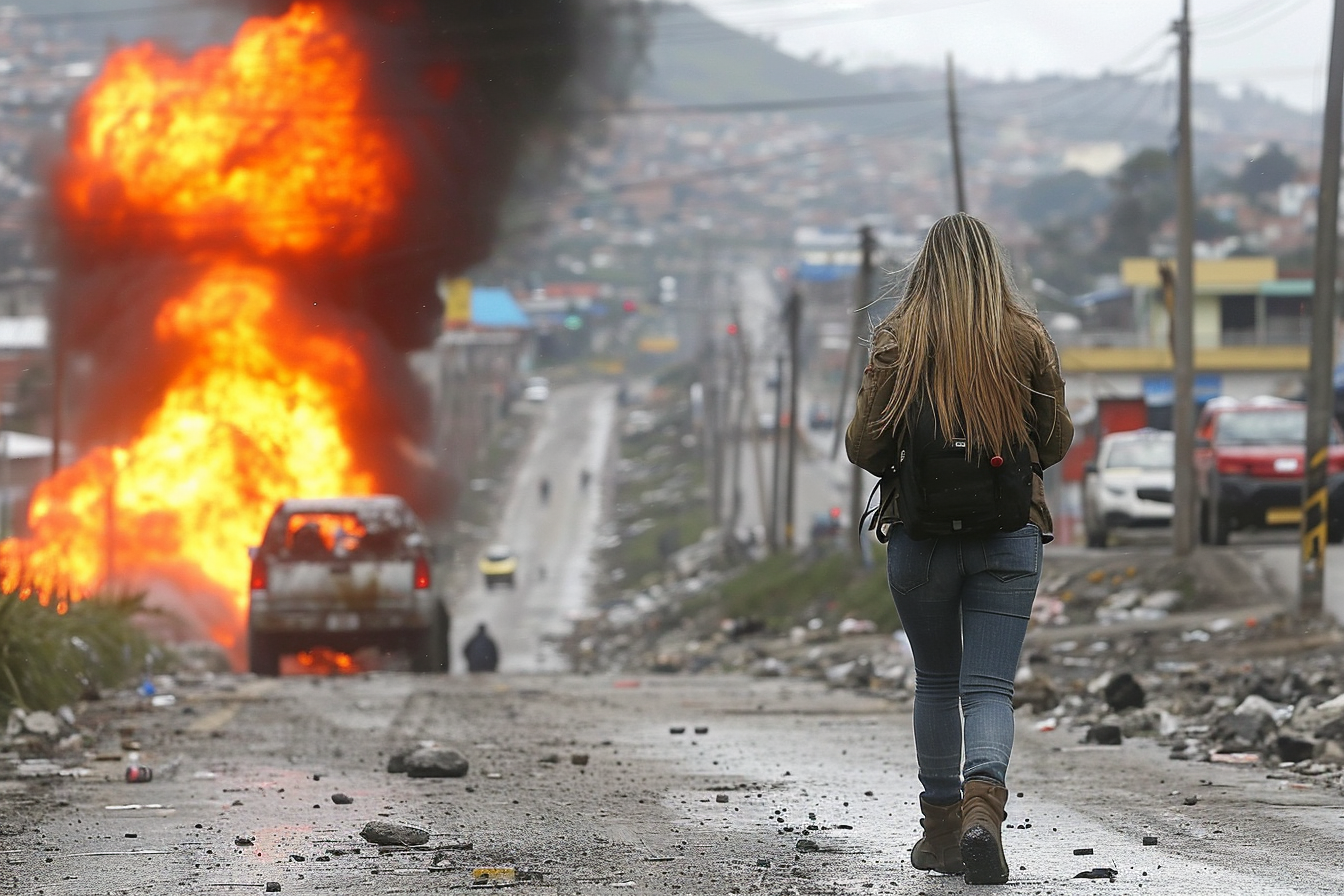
[{"x": 485, "y": 95}]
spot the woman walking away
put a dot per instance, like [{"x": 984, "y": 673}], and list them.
[{"x": 960, "y": 408}]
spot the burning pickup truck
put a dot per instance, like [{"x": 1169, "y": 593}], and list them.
[{"x": 344, "y": 574}]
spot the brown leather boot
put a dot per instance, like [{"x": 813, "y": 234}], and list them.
[
  {"x": 940, "y": 847},
  {"x": 982, "y": 818}
]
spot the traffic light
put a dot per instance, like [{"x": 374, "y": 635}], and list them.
[{"x": 732, "y": 329}]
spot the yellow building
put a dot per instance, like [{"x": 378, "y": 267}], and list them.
[{"x": 1246, "y": 321}]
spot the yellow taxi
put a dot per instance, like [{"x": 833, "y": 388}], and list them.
[{"x": 499, "y": 565}]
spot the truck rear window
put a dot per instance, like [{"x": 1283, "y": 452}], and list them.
[{"x": 327, "y": 536}]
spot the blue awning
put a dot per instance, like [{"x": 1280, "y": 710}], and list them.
[
  {"x": 495, "y": 307},
  {"x": 824, "y": 273}
]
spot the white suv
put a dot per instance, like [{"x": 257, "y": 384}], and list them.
[{"x": 1130, "y": 483}]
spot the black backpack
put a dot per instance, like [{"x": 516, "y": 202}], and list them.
[{"x": 943, "y": 492}]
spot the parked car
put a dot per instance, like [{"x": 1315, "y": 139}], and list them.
[
  {"x": 537, "y": 389},
  {"x": 345, "y": 573},
  {"x": 1250, "y": 463},
  {"x": 1130, "y": 484},
  {"x": 498, "y": 565}
]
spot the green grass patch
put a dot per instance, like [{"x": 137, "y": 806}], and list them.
[
  {"x": 49, "y": 659},
  {"x": 642, "y": 556},
  {"x": 785, "y": 590}
]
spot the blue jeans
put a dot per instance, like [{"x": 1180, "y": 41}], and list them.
[{"x": 964, "y": 603}]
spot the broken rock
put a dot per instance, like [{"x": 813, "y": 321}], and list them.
[
  {"x": 42, "y": 723},
  {"x": 394, "y": 833},
  {"x": 1105, "y": 735},
  {"x": 1124, "y": 692},
  {"x": 1241, "y": 732},
  {"x": 1294, "y": 749},
  {"x": 436, "y": 762}
]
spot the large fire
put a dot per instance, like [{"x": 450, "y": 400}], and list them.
[{"x": 246, "y": 162}]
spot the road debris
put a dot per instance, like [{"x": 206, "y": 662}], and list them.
[
  {"x": 342, "y": 799},
  {"x": 394, "y": 833},
  {"x": 436, "y": 762}
]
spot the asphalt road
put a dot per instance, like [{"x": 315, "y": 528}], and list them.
[
  {"x": 553, "y": 540},
  {"x": 719, "y": 812}
]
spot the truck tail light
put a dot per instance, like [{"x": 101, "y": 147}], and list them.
[
  {"x": 421, "y": 573},
  {"x": 258, "y": 577}
]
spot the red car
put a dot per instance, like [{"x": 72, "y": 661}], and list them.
[{"x": 1249, "y": 466}]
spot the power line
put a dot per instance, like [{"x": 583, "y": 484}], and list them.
[{"x": 1280, "y": 12}]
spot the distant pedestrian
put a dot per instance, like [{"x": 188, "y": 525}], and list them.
[
  {"x": 481, "y": 651},
  {"x": 962, "y": 377}
]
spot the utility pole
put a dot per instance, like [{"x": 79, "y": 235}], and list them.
[
  {"x": 794, "y": 318},
  {"x": 776, "y": 469},
  {"x": 709, "y": 420},
  {"x": 954, "y": 131},
  {"x": 1183, "y": 321},
  {"x": 753, "y": 423},
  {"x": 738, "y": 403},
  {"x": 1320, "y": 388},
  {"x": 863, "y": 297}
]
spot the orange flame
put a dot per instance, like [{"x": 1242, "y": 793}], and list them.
[
  {"x": 325, "y": 661},
  {"x": 221, "y": 158},
  {"x": 265, "y": 141}
]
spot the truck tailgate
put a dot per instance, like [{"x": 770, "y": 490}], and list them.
[{"x": 345, "y": 584}]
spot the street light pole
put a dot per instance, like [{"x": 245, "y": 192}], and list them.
[{"x": 1320, "y": 385}]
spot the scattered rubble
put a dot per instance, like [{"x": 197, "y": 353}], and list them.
[{"x": 1195, "y": 654}]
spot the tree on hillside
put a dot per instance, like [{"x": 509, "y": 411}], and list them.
[
  {"x": 1057, "y": 198},
  {"x": 1267, "y": 171},
  {"x": 1145, "y": 195}
]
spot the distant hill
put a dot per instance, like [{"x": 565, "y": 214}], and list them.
[{"x": 694, "y": 59}]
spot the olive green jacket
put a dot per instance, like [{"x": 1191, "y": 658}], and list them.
[{"x": 874, "y": 448}]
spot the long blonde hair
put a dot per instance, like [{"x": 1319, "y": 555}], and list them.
[{"x": 966, "y": 340}]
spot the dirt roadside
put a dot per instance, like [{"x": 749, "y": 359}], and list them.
[{"x": 784, "y": 766}]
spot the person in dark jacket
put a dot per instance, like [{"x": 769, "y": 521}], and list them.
[
  {"x": 481, "y": 651},
  {"x": 962, "y": 343}
]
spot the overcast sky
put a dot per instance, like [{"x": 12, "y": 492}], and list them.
[{"x": 1280, "y": 46}]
